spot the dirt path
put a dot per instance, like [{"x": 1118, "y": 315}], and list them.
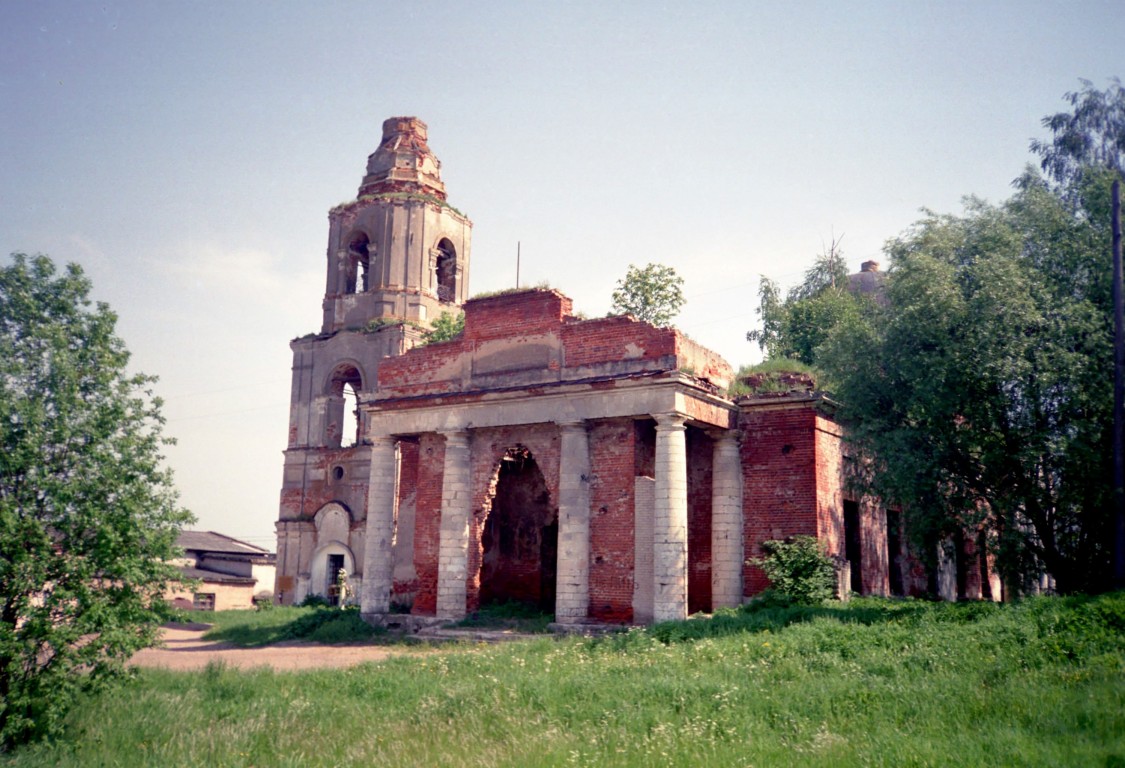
[{"x": 185, "y": 649}]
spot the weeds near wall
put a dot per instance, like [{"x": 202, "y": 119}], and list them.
[{"x": 799, "y": 569}]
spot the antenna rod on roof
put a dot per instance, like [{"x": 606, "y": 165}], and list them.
[{"x": 517, "y": 263}]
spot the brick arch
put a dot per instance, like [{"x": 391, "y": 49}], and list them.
[
  {"x": 490, "y": 448},
  {"x": 333, "y": 531},
  {"x": 345, "y": 424},
  {"x": 361, "y": 260}
]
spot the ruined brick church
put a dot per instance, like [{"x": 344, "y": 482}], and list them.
[{"x": 595, "y": 468}]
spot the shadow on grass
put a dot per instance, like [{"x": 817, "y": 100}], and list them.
[
  {"x": 253, "y": 629},
  {"x": 771, "y": 613},
  {"x": 520, "y": 617}
]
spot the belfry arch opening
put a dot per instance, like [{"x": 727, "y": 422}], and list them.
[
  {"x": 446, "y": 271},
  {"x": 519, "y": 543},
  {"x": 359, "y": 264},
  {"x": 345, "y": 423}
]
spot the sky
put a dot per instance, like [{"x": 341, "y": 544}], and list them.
[{"x": 186, "y": 156}]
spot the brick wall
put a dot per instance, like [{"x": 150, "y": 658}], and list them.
[
  {"x": 613, "y": 462},
  {"x": 321, "y": 485},
  {"x": 581, "y": 348},
  {"x": 427, "y": 521},
  {"x": 615, "y": 339},
  {"x": 700, "y": 456},
  {"x": 525, "y": 312},
  {"x": 779, "y": 479}
]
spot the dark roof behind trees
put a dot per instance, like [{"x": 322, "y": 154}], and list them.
[{"x": 209, "y": 541}]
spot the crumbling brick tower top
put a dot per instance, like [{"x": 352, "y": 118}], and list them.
[
  {"x": 403, "y": 162},
  {"x": 399, "y": 250}
]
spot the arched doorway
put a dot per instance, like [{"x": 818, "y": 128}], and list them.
[{"x": 519, "y": 543}]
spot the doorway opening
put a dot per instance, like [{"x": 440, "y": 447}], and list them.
[
  {"x": 335, "y": 563},
  {"x": 853, "y": 545},
  {"x": 519, "y": 543}
]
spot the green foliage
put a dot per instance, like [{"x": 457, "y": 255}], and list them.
[
  {"x": 652, "y": 293},
  {"x": 509, "y": 615},
  {"x": 1090, "y": 136},
  {"x": 445, "y": 328},
  {"x": 376, "y": 324},
  {"x": 88, "y": 514},
  {"x": 794, "y": 328},
  {"x": 772, "y": 374},
  {"x": 314, "y": 601},
  {"x": 799, "y": 569},
  {"x": 540, "y": 286},
  {"x": 904, "y": 682},
  {"x": 331, "y": 625},
  {"x": 979, "y": 390}
]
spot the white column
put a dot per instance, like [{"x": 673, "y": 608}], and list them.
[
  {"x": 572, "y": 596},
  {"x": 378, "y": 539},
  {"x": 670, "y": 519},
  {"x": 453, "y": 537},
  {"x": 726, "y": 521}
]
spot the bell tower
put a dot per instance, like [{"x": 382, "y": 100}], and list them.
[
  {"x": 399, "y": 250},
  {"x": 398, "y": 256}
]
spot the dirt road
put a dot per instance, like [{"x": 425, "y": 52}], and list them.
[{"x": 185, "y": 649}]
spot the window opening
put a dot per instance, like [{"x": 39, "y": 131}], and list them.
[
  {"x": 447, "y": 271},
  {"x": 203, "y": 601},
  {"x": 345, "y": 423},
  {"x": 349, "y": 434},
  {"x": 359, "y": 265}
]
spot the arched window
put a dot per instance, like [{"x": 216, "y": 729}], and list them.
[
  {"x": 446, "y": 271},
  {"x": 345, "y": 424},
  {"x": 359, "y": 264}
]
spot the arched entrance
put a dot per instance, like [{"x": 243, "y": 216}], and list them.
[{"x": 519, "y": 544}]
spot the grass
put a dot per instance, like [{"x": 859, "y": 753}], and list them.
[
  {"x": 250, "y": 629},
  {"x": 873, "y": 682},
  {"x": 509, "y": 615},
  {"x": 773, "y": 369}
]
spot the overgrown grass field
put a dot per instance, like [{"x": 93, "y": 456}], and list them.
[{"x": 869, "y": 683}]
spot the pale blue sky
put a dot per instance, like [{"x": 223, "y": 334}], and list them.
[{"x": 186, "y": 154}]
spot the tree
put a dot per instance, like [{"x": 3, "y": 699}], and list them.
[
  {"x": 445, "y": 328},
  {"x": 1090, "y": 137},
  {"x": 88, "y": 514},
  {"x": 653, "y": 294},
  {"x": 796, "y": 327},
  {"x": 1086, "y": 159},
  {"x": 977, "y": 390}
]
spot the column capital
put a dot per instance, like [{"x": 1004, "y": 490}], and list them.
[
  {"x": 458, "y": 438},
  {"x": 382, "y": 441},
  {"x": 672, "y": 421},
  {"x": 720, "y": 435},
  {"x": 574, "y": 425}
]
